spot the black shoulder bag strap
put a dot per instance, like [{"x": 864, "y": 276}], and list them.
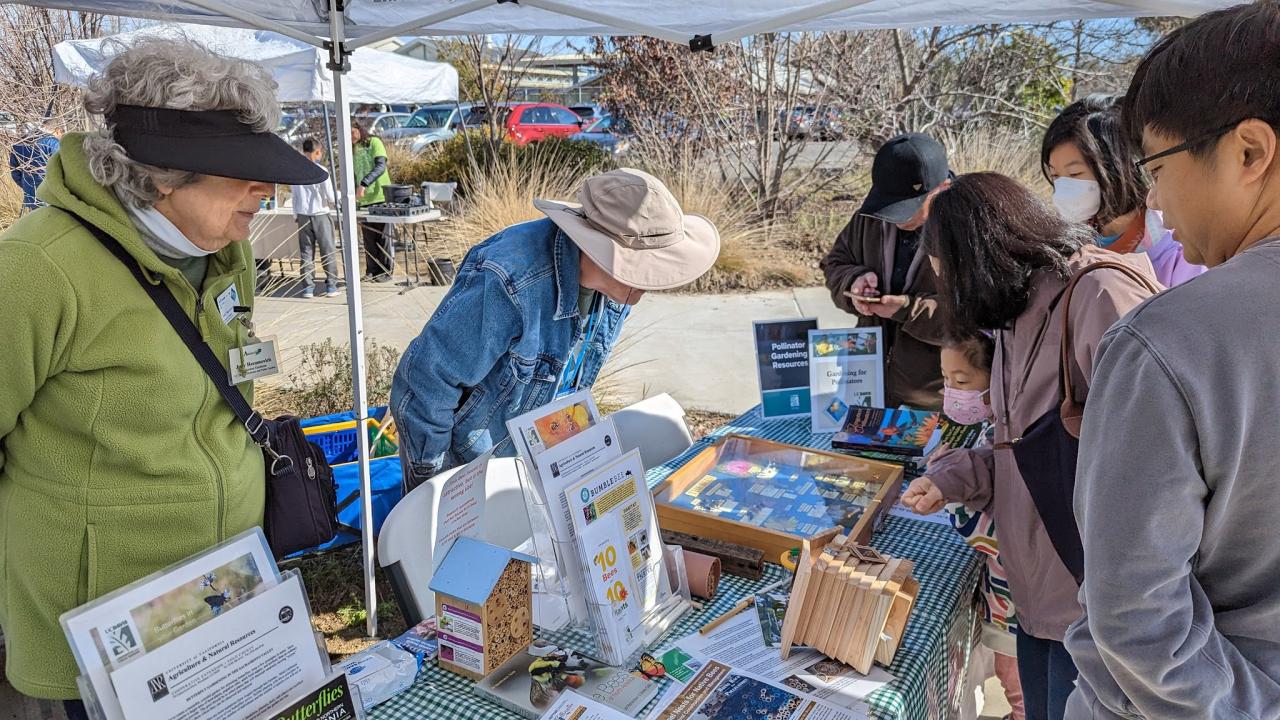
[{"x": 259, "y": 429}]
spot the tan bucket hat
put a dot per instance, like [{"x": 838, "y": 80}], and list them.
[{"x": 630, "y": 225}]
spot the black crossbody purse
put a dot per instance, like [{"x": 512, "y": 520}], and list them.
[
  {"x": 301, "y": 502},
  {"x": 1047, "y": 452}
]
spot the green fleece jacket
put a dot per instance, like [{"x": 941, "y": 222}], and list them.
[{"x": 118, "y": 456}]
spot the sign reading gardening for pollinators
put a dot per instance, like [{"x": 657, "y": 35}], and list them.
[{"x": 846, "y": 370}]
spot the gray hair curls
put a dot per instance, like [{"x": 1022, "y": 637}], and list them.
[{"x": 177, "y": 74}]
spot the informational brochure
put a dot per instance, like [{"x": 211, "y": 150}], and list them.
[
  {"x": 560, "y": 467},
  {"x": 144, "y": 616},
  {"x": 572, "y": 706},
  {"x": 613, "y": 586},
  {"x": 556, "y": 422},
  {"x": 420, "y": 640},
  {"x": 740, "y": 643},
  {"x": 569, "y": 463},
  {"x": 721, "y": 691},
  {"x": 771, "y": 608},
  {"x": 237, "y": 667},
  {"x": 461, "y": 509},
  {"x": 619, "y": 489},
  {"x": 846, "y": 369},
  {"x": 782, "y": 356}
]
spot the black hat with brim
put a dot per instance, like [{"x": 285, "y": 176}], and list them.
[
  {"x": 209, "y": 142},
  {"x": 906, "y": 169},
  {"x": 891, "y": 209}
]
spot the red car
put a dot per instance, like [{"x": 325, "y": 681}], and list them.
[{"x": 530, "y": 122}]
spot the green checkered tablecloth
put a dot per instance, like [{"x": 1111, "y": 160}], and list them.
[{"x": 931, "y": 661}]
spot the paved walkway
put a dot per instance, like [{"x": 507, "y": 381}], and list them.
[{"x": 699, "y": 348}]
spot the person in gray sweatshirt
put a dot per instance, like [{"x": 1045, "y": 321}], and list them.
[{"x": 1178, "y": 484}]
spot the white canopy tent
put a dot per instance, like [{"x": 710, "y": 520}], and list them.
[
  {"x": 341, "y": 27},
  {"x": 298, "y": 68}
]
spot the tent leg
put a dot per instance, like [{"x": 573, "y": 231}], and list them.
[
  {"x": 355, "y": 319},
  {"x": 330, "y": 143}
]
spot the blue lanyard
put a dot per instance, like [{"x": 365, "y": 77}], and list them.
[{"x": 571, "y": 379}]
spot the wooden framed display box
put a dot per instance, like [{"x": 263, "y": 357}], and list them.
[{"x": 771, "y": 496}]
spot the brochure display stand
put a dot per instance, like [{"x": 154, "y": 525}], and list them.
[
  {"x": 221, "y": 635},
  {"x": 599, "y": 627},
  {"x": 603, "y": 582}
]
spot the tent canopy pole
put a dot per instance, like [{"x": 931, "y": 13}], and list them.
[{"x": 346, "y": 179}]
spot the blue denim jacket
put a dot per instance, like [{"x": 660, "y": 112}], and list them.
[{"x": 495, "y": 348}]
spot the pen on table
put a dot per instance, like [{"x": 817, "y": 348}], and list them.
[{"x": 742, "y": 605}]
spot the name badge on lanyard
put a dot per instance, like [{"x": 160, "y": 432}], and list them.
[{"x": 253, "y": 361}]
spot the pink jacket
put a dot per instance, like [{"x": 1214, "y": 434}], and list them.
[{"x": 1024, "y": 387}]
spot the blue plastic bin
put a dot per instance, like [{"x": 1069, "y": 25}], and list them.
[{"x": 339, "y": 446}]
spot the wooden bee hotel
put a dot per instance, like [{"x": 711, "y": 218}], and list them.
[
  {"x": 850, "y": 603},
  {"x": 484, "y": 606}
]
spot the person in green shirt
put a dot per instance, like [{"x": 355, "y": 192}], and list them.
[
  {"x": 369, "y": 160},
  {"x": 118, "y": 456}
]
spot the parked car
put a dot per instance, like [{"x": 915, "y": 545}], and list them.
[
  {"x": 427, "y": 124},
  {"x": 381, "y": 123},
  {"x": 8, "y": 123},
  {"x": 530, "y": 122},
  {"x": 432, "y": 124},
  {"x": 589, "y": 112},
  {"x": 814, "y": 122},
  {"x": 609, "y": 132},
  {"x": 830, "y": 124}
]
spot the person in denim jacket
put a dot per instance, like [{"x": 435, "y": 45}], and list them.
[{"x": 535, "y": 311}]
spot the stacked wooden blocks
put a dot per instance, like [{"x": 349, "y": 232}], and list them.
[{"x": 849, "y": 603}]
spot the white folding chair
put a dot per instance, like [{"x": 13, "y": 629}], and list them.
[
  {"x": 407, "y": 542},
  {"x": 656, "y": 426}
]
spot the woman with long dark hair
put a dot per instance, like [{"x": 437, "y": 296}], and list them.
[
  {"x": 1003, "y": 259},
  {"x": 369, "y": 159},
  {"x": 1089, "y": 160}
]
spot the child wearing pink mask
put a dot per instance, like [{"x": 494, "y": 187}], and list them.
[{"x": 966, "y": 375}]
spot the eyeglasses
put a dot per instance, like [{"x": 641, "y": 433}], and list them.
[{"x": 1141, "y": 164}]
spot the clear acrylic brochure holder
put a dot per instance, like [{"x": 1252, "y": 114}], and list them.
[
  {"x": 565, "y": 611},
  {"x": 94, "y": 704}
]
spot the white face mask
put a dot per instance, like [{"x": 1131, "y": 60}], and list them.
[
  {"x": 162, "y": 236},
  {"x": 1077, "y": 200}
]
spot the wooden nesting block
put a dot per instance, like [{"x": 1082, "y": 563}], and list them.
[{"x": 850, "y": 603}]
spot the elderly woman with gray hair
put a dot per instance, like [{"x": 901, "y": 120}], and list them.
[{"x": 118, "y": 456}]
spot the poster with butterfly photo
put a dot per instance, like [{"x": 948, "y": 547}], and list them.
[{"x": 139, "y": 618}]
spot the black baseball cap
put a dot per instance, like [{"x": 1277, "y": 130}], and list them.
[
  {"x": 209, "y": 142},
  {"x": 906, "y": 169}
]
